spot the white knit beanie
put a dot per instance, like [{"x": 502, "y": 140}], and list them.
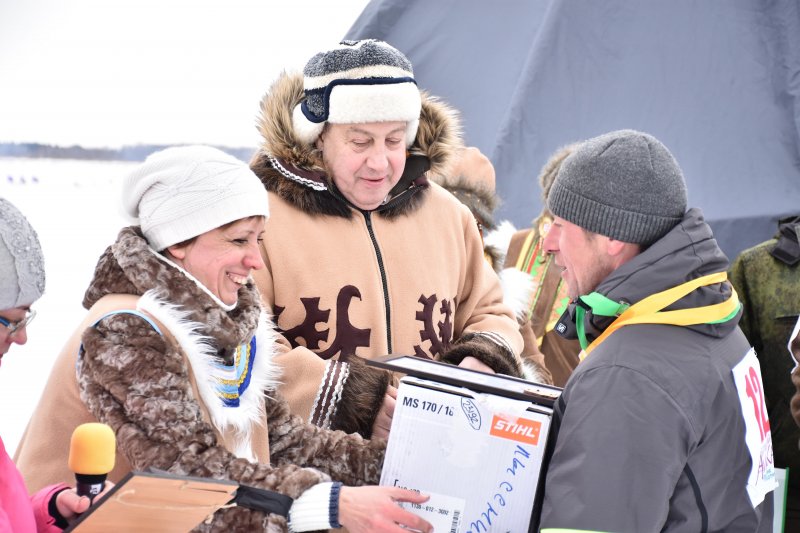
[
  {"x": 182, "y": 192},
  {"x": 355, "y": 83}
]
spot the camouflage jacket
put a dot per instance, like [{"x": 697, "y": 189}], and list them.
[{"x": 769, "y": 289}]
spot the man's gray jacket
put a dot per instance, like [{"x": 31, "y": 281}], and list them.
[{"x": 650, "y": 430}]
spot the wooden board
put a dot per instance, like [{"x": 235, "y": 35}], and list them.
[{"x": 144, "y": 502}]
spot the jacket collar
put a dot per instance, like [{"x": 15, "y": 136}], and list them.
[{"x": 687, "y": 252}]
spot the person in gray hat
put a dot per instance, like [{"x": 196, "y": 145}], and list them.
[
  {"x": 22, "y": 283},
  {"x": 661, "y": 426},
  {"x": 21, "y": 275}
]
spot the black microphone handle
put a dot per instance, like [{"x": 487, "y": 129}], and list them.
[{"x": 90, "y": 484}]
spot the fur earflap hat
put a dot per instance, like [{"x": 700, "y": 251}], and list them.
[
  {"x": 625, "y": 185},
  {"x": 357, "y": 82},
  {"x": 21, "y": 259},
  {"x": 183, "y": 192}
]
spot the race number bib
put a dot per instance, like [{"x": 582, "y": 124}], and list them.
[{"x": 747, "y": 376}]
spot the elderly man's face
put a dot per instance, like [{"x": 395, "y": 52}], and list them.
[
  {"x": 364, "y": 160},
  {"x": 582, "y": 255}
]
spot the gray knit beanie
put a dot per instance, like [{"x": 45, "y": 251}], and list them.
[
  {"x": 357, "y": 82},
  {"x": 625, "y": 185},
  {"x": 21, "y": 260}
]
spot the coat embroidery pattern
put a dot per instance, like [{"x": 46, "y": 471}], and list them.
[
  {"x": 348, "y": 337},
  {"x": 438, "y": 335}
]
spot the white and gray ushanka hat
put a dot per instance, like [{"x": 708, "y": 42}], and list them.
[{"x": 357, "y": 82}]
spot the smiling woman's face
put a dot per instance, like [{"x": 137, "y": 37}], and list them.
[{"x": 222, "y": 259}]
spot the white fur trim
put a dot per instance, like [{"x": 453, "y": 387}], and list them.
[
  {"x": 500, "y": 239},
  {"x": 518, "y": 288},
  {"x": 202, "y": 357},
  {"x": 531, "y": 372},
  {"x": 356, "y": 104},
  {"x": 306, "y": 131}
]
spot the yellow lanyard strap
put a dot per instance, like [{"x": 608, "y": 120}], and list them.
[{"x": 648, "y": 310}]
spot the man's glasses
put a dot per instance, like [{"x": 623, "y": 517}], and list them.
[{"x": 13, "y": 327}]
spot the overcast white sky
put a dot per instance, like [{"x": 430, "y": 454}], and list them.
[{"x": 114, "y": 72}]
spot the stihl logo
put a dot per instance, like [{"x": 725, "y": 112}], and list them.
[{"x": 518, "y": 429}]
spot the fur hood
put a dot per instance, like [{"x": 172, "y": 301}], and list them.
[
  {"x": 130, "y": 266},
  {"x": 294, "y": 170}
]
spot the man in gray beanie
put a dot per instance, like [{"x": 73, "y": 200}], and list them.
[{"x": 659, "y": 428}]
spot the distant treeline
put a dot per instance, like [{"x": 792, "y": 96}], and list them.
[{"x": 127, "y": 153}]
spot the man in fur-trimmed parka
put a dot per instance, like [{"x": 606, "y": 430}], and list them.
[{"x": 365, "y": 257}]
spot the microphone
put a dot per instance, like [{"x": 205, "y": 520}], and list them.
[{"x": 92, "y": 450}]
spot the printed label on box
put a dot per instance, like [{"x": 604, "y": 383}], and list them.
[{"x": 443, "y": 512}]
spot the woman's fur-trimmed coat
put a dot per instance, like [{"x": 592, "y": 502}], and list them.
[
  {"x": 140, "y": 383},
  {"x": 406, "y": 278}
]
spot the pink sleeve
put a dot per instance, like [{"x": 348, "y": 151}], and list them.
[
  {"x": 5, "y": 523},
  {"x": 40, "y": 502}
]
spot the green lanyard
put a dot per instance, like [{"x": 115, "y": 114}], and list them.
[{"x": 650, "y": 310}]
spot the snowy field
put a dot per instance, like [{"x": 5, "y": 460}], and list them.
[{"x": 74, "y": 207}]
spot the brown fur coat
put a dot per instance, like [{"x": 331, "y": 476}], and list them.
[{"x": 145, "y": 386}]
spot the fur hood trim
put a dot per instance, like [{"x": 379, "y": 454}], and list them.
[
  {"x": 204, "y": 362},
  {"x": 294, "y": 170},
  {"x": 496, "y": 243},
  {"x": 481, "y": 200},
  {"x": 518, "y": 290},
  {"x": 531, "y": 372}
]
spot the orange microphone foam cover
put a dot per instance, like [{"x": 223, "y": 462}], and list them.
[{"x": 92, "y": 449}]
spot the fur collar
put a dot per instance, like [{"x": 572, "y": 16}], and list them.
[
  {"x": 199, "y": 349},
  {"x": 204, "y": 330},
  {"x": 295, "y": 172}
]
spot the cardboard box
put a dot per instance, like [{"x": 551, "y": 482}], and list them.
[{"x": 479, "y": 454}]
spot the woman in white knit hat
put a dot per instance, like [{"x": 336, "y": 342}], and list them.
[{"x": 176, "y": 356}]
